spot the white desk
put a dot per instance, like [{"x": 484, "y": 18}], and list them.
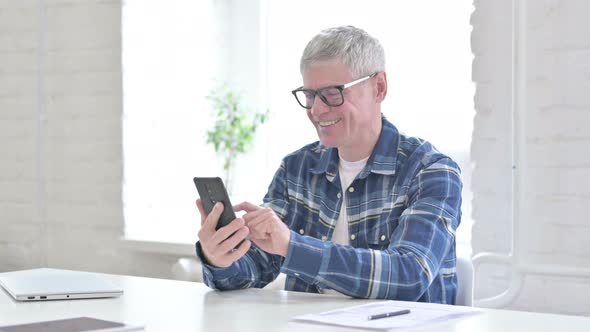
[{"x": 166, "y": 305}]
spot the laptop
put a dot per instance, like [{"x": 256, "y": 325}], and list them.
[{"x": 51, "y": 284}]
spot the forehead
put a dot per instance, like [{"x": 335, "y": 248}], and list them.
[{"x": 322, "y": 74}]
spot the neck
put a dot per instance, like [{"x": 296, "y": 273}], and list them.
[{"x": 363, "y": 147}]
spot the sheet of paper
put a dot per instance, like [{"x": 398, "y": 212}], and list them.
[{"x": 420, "y": 313}]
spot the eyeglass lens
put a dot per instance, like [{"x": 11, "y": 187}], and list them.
[{"x": 331, "y": 96}]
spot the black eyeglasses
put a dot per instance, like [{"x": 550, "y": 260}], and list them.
[{"x": 331, "y": 95}]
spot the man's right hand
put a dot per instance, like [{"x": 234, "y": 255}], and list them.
[{"x": 218, "y": 245}]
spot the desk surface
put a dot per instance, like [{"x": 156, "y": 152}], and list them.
[{"x": 166, "y": 305}]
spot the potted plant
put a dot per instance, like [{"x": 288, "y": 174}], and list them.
[{"x": 233, "y": 129}]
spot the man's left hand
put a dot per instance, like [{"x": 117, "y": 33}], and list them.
[{"x": 267, "y": 230}]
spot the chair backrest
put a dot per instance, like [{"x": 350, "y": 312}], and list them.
[{"x": 465, "y": 282}]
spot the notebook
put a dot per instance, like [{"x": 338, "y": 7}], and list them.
[{"x": 52, "y": 284}]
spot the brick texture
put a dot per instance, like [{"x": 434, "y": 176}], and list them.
[
  {"x": 61, "y": 139},
  {"x": 557, "y": 122}
]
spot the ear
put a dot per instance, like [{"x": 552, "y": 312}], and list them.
[{"x": 381, "y": 86}]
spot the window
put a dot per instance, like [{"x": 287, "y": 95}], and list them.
[
  {"x": 169, "y": 68},
  {"x": 169, "y": 60}
]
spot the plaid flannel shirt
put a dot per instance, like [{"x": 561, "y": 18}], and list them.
[{"x": 403, "y": 211}]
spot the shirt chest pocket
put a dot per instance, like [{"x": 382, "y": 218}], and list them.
[
  {"x": 380, "y": 230},
  {"x": 379, "y": 236}
]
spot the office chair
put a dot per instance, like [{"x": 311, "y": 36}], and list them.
[{"x": 465, "y": 282}]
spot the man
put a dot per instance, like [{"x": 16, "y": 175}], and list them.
[{"x": 366, "y": 211}]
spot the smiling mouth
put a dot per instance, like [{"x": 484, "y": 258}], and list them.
[{"x": 328, "y": 123}]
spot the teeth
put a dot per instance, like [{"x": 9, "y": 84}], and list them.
[{"x": 328, "y": 123}]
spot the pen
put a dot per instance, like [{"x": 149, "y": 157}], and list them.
[{"x": 389, "y": 314}]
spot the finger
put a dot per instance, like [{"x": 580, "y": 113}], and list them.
[
  {"x": 256, "y": 217},
  {"x": 248, "y": 217},
  {"x": 246, "y": 206},
  {"x": 201, "y": 211},
  {"x": 253, "y": 220},
  {"x": 259, "y": 232},
  {"x": 226, "y": 231},
  {"x": 229, "y": 244},
  {"x": 213, "y": 217},
  {"x": 240, "y": 251},
  {"x": 259, "y": 225},
  {"x": 266, "y": 212},
  {"x": 256, "y": 236}
]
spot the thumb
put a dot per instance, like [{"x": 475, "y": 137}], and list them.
[{"x": 212, "y": 219}]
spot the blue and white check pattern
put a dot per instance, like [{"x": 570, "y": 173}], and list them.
[{"x": 403, "y": 210}]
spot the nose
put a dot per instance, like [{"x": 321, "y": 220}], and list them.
[{"x": 319, "y": 107}]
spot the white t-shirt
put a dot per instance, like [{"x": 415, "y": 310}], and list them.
[{"x": 348, "y": 171}]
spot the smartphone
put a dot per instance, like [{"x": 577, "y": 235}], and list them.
[{"x": 211, "y": 191}]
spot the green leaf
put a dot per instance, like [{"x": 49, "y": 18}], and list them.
[{"x": 234, "y": 125}]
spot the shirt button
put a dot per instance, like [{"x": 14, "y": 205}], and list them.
[
  {"x": 352, "y": 237},
  {"x": 324, "y": 238},
  {"x": 301, "y": 231},
  {"x": 382, "y": 237},
  {"x": 351, "y": 189},
  {"x": 338, "y": 195}
]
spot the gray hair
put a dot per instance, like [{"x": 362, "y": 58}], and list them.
[{"x": 352, "y": 46}]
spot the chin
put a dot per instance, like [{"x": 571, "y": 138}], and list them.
[
  {"x": 329, "y": 142},
  {"x": 331, "y": 136}
]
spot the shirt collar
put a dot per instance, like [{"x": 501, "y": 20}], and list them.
[
  {"x": 383, "y": 159},
  {"x": 328, "y": 162}
]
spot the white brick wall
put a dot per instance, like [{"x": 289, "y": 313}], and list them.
[
  {"x": 61, "y": 177},
  {"x": 557, "y": 227}
]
